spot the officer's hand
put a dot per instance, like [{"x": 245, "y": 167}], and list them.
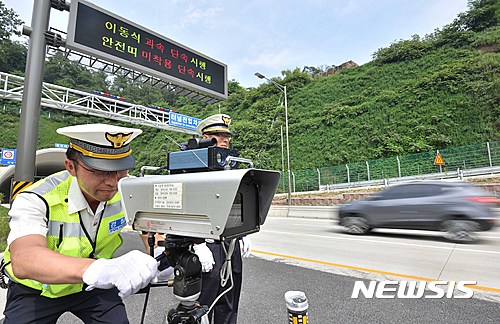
[
  {"x": 164, "y": 274},
  {"x": 205, "y": 255},
  {"x": 246, "y": 246},
  {"x": 129, "y": 273}
]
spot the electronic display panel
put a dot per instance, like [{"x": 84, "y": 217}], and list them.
[{"x": 100, "y": 33}]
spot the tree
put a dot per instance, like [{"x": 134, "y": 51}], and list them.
[
  {"x": 12, "y": 57},
  {"x": 312, "y": 71},
  {"x": 9, "y": 21},
  {"x": 403, "y": 50},
  {"x": 234, "y": 86},
  {"x": 295, "y": 79},
  {"x": 12, "y": 54},
  {"x": 61, "y": 71},
  {"x": 482, "y": 14}
]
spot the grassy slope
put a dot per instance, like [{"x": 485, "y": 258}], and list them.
[
  {"x": 4, "y": 227},
  {"x": 447, "y": 98},
  {"x": 409, "y": 107}
]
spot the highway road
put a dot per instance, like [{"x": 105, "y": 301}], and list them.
[
  {"x": 417, "y": 255},
  {"x": 314, "y": 256}
]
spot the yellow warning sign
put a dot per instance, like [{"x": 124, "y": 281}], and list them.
[{"x": 439, "y": 159}]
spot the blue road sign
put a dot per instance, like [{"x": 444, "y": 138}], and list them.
[
  {"x": 8, "y": 156},
  {"x": 183, "y": 121}
]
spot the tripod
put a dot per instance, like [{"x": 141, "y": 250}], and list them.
[{"x": 187, "y": 280}]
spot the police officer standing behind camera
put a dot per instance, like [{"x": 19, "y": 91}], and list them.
[
  {"x": 225, "y": 310},
  {"x": 64, "y": 231}
]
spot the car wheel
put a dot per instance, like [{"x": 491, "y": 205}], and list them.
[
  {"x": 460, "y": 231},
  {"x": 355, "y": 225}
]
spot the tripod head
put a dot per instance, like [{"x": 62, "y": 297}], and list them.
[
  {"x": 187, "y": 267},
  {"x": 187, "y": 280}
]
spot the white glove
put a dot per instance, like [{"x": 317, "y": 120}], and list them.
[
  {"x": 129, "y": 273},
  {"x": 158, "y": 250},
  {"x": 246, "y": 246},
  {"x": 205, "y": 255},
  {"x": 164, "y": 274}
]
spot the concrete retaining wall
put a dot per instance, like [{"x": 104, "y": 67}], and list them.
[
  {"x": 342, "y": 198},
  {"x": 324, "y": 212}
]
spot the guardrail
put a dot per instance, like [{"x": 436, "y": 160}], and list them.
[{"x": 459, "y": 174}]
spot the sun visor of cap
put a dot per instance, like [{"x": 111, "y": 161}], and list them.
[
  {"x": 217, "y": 129},
  {"x": 125, "y": 163}
]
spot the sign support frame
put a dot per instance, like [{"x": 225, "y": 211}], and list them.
[{"x": 32, "y": 94}]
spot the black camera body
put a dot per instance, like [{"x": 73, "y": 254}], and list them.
[{"x": 200, "y": 160}]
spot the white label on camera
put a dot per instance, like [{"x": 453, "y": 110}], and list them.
[{"x": 167, "y": 195}]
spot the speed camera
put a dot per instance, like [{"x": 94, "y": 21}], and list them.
[{"x": 212, "y": 205}]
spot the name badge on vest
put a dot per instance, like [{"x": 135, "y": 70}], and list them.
[{"x": 116, "y": 225}]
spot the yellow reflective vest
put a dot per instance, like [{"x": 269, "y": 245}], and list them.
[{"x": 67, "y": 234}]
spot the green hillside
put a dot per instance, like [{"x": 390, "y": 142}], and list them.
[{"x": 426, "y": 93}]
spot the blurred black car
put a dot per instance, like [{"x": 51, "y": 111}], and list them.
[{"x": 457, "y": 208}]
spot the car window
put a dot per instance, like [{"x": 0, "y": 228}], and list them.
[
  {"x": 389, "y": 193},
  {"x": 412, "y": 191},
  {"x": 428, "y": 190},
  {"x": 397, "y": 192}
]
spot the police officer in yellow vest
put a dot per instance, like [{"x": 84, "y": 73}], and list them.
[{"x": 65, "y": 230}]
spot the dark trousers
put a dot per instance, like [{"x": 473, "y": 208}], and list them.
[
  {"x": 25, "y": 305},
  {"x": 225, "y": 310}
]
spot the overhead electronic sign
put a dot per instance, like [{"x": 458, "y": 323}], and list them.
[{"x": 100, "y": 33}]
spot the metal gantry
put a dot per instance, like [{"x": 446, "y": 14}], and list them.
[{"x": 58, "y": 97}]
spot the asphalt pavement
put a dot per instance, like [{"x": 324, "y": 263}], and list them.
[{"x": 266, "y": 281}]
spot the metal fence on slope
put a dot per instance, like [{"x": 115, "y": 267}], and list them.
[{"x": 458, "y": 162}]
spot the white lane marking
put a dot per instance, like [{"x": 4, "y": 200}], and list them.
[
  {"x": 494, "y": 236},
  {"x": 383, "y": 242},
  {"x": 311, "y": 225}
]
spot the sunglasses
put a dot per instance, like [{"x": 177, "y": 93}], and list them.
[{"x": 103, "y": 174}]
